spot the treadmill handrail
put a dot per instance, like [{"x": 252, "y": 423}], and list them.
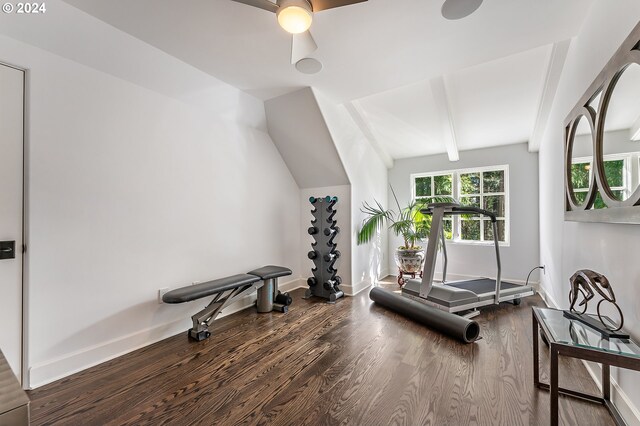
[
  {"x": 458, "y": 209},
  {"x": 432, "y": 252}
]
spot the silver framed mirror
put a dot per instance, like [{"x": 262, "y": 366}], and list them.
[
  {"x": 580, "y": 185},
  {"x": 602, "y": 143}
]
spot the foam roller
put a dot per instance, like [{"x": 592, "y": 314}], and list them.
[{"x": 452, "y": 325}]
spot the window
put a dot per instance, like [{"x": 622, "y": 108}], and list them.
[
  {"x": 428, "y": 187},
  {"x": 485, "y": 188},
  {"x": 616, "y": 170}
]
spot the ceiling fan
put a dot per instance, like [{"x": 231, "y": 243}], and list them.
[{"x": 295, "y": 17}]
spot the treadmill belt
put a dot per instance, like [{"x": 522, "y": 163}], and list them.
[{"x": 482, "y": 285}]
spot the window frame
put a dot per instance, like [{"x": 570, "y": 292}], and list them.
[
  {"x": 629, "y": 160},
  {"x": 432, "y": 176},
  {"x": 456, "y": 189}
]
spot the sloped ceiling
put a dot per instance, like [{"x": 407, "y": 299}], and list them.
[
  {"x": 380, "y": 58},
  {"x": 298, "y": 130},
  {"x": 493, "y": 104}
]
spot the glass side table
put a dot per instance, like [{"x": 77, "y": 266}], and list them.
[{"x": 574, "y": 339}]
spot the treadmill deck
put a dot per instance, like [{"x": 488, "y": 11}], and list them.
[
  {"x": 482, "y": 285},
  {"x": 461, "y": 295}
]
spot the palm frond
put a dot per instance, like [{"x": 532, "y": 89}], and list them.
[
  {"x": 401, "y": 227},
  {"x": 410, "y": 222},
  {"x": 395, "y": 198}
]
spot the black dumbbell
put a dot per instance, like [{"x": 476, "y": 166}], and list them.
[
  {"x": 332, "y": 256},
  {"x": 312, "y": 254},
  {"x": 312, "y": 281},
  {"x": 331, "y": 231},
  {"x": 284, "y": 299},
  {"x": 332, "y": 201},
  {"x": 330, "y": 284},
  {"x": 312, "y": 230}
]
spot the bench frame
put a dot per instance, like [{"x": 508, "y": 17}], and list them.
[{"x": 203, "y": 319}]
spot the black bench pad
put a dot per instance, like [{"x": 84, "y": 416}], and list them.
[
  {"x": 193, "y": 292},
  {"x": 271, "y": 271}
]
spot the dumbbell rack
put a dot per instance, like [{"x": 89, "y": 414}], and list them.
[{"x": 324, "y": 255}]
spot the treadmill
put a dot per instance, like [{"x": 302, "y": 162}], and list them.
[{"x": 461, "y": 297}]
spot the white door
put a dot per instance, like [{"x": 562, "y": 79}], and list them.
[{"x": 11, "y": 190}]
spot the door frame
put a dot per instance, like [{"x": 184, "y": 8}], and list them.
[{"x": 24, "y": 376}]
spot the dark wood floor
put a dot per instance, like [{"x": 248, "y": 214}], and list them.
[{"x": 348, "y": 363}]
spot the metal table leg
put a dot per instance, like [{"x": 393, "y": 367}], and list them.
[
  {"x": 606, "y": 382},
  {"x": 606, "y": 395},
  {"x": 536, "y": 354},
  {"x": 553, "y": 385}
]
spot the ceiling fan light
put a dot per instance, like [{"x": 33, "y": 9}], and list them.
[{"x": 295, "y": 19}]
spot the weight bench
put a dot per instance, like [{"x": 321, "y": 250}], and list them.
[
  {"x": 269, "y": 297},
  {"x": 227, "y": 291}
]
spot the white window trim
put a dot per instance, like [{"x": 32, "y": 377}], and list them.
[
  {"x": 631, "y": 178},
  {"x": 456, "y": 194}
]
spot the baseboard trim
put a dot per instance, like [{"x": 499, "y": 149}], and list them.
[
  {"x": 59, "y": 368},
  {"x": 293, "y": 285},
  {"x": 547, "y": 299},
  {"x": 628, "y": 410},
  {"x": 352, "y": 290}
]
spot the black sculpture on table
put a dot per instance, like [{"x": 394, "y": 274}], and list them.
[{"x": 587, "y": 283}]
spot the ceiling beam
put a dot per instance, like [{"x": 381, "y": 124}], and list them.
[
  {"x": 359, "y": 116},
  {"x": 552, "y": 79},
  {"x": 445, "y": 116}
]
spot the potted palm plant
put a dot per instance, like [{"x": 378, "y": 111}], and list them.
[{"x": 407, "y": 222}]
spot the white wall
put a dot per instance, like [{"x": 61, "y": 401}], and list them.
[
  {"x": 476, "y": 260},
  {"x": 368, "y": 176},
  {"x": 567, "y": 246},
  {"x": 343, "y": 217},
  {"x": 132, "y": 189},
  {"x": 324, "y": 148}
]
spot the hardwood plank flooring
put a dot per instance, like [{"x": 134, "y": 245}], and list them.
[{"x": 352, "y": 363}]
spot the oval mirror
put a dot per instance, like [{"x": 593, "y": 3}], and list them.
[
  {"x": 621, "y": 136},
  {"x": 581, "y": 154}
]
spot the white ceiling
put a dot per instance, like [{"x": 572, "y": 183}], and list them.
[
  {"x": 492, "y": 104},
  {"x": 496, "y": 103},
  {"x": 382, "y": 53}
]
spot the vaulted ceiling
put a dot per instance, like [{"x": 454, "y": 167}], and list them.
[{"x": 405, "y": 73}]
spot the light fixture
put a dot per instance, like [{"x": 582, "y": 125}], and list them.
[{"x": 294, "y": 16}]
